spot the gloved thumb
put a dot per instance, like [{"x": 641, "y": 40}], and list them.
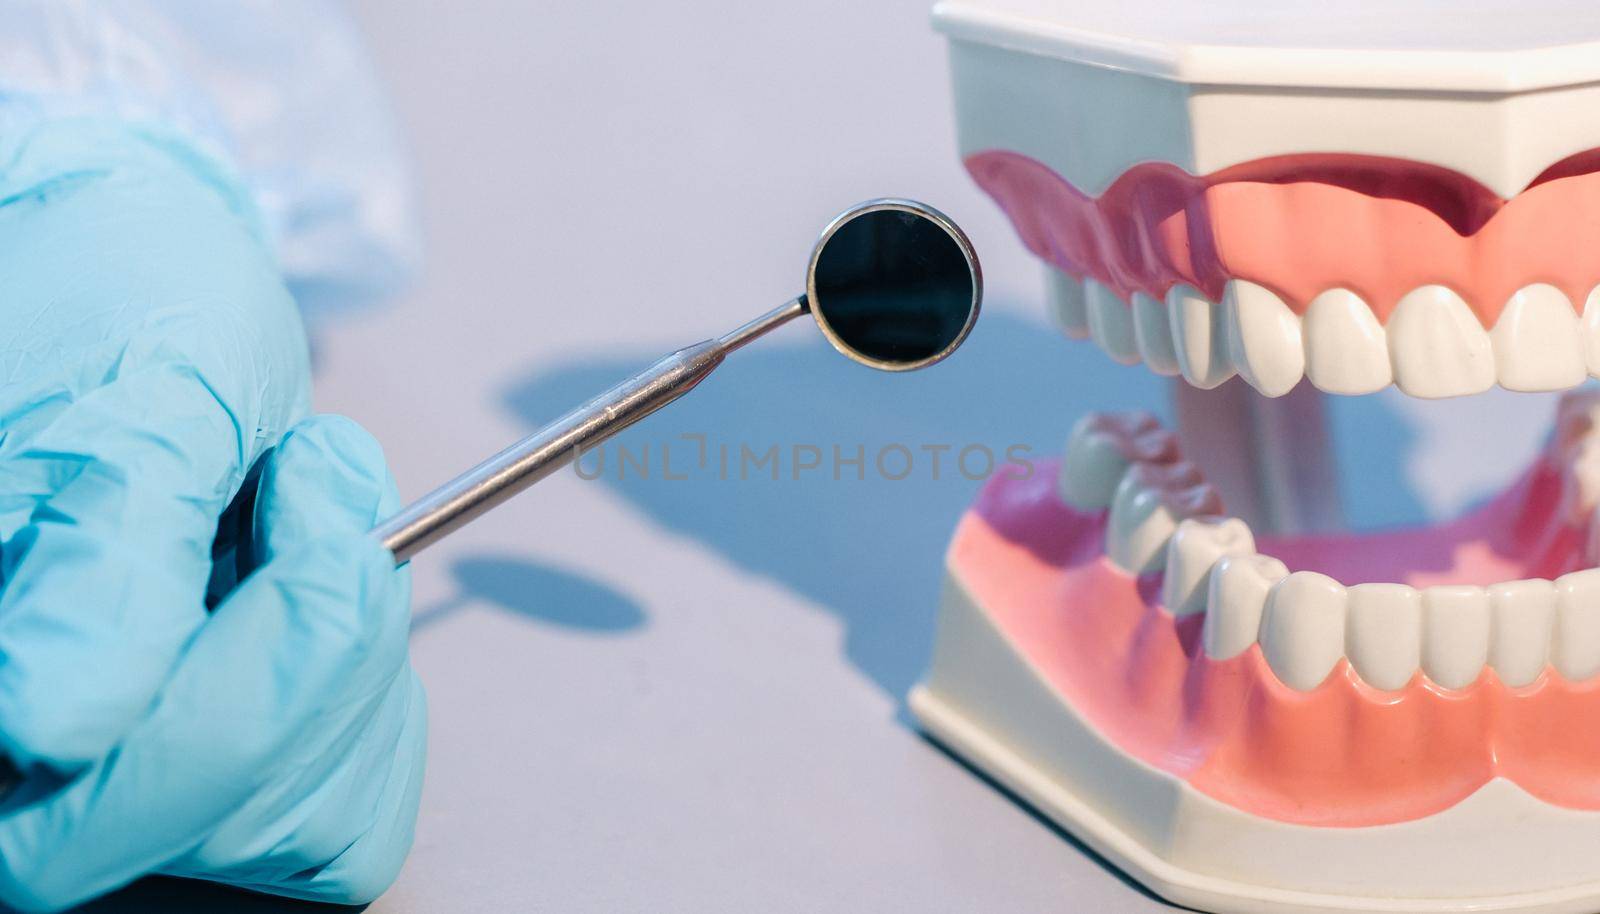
[{"x": 327, "y": 476}]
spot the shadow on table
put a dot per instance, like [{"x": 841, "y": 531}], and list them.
[
  {"x": 163, "y": 896},
  {"x": 549, "y": 595},
  {"x": 853, "y": 538}
]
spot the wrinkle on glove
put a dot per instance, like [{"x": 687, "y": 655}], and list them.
[
  {"x": 149, "y": 354},
  {"x": 285, "y": 753}
]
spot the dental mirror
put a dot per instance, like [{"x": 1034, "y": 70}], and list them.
[{"x": 893, "y": 284}]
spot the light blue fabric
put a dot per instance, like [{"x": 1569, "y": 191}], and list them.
[
  {"x": 284, "y": 753},
  {"x": 280, "y": 91},
  {"x": 150, "y": 357}
]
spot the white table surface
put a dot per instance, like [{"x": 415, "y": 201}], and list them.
[{"x": 664, "y": 695}]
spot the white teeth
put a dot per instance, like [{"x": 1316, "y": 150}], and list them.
[
  {"x": 1146, "y": 509},
  {"x": 1591, "y": 331},
  {"x": 1347, "y": 351},
  {"x": 1455, "y": 646},
  {"x": 1537, "y": 343},
  {"x": 1263, "y": 338},
  {"x": 1102, "y": 447},
  {"x": 1302, "y": 628},
  {"x": 1235, "y": 600},
  {"x": 1385, "y": 633},
  {"x": 1199, "y": 332},
  {"x": 1522, "y": 614},
  {"x": 1437, "y": 346},
  {"x": 1152, "y": 332},
  {"x": 1111, "y": 323},
  {"x": 1575, "y": 644},
  {"x": 1068, "y": 305},
  {"x": 1195, "y": 549}
]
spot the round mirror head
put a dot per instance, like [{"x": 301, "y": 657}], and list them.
[{"x": 894, "y": 284}]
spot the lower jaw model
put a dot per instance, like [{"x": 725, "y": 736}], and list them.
[{"x": 1243, "y": 715}]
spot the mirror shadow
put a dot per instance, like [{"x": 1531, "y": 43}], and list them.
[{"x": 538, "y": 592}]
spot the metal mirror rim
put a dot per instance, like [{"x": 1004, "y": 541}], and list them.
[{"x": 922, "y": 210}]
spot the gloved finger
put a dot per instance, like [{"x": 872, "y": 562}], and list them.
[
  {"x": 105, "y": 582},
  {"x": 292, "y": 668},
  {"x": 327, "y": 476}
]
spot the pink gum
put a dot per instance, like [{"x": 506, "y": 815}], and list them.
[
  {"x": 1343, "y": 754},
  {"x": 1301, "y": 225}
]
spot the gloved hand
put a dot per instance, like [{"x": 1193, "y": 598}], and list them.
[
  {"x": 285, "y": 753},
  {"x": 149, "y": 355}
]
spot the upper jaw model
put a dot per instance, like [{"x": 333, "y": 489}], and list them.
[{"x": 1162, "y": 641}]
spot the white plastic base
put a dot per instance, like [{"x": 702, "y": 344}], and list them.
[{"x": 1499, "y": 850}]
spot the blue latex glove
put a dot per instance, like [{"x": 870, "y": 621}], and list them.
[
  {"x": 285, "y": 753},
  {"x": 150, "y": 355}
]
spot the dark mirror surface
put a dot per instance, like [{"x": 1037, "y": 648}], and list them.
[{"x": 894, "y": 286}]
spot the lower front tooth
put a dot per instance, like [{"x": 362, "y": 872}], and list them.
[
  {"x": 1575, "y": 643},
  {"x": 1455, "y": 641},
  {"x": 1111, "y": 323},
  {"x": 1068, "y": 304},
  {"x": 1437, "y": 346},
  {"x": 1537, "y": 343},
  {"x": 1200, "y": 337},
  {"x": 1152, "y": 332},
  {"x": 1195, "y": 549},
  {"x": 1522, "y": 614},
  {"x": 1302, "y": 629},
  {"x": 1235, "y": 600},
  {"x": 1591, "y": 331},
  {"x": 1385, "y": 634},
  {"x": 1263, "y": 338}
]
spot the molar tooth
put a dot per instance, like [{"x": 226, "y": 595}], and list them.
[
  {"x": 1145, "y": 512},
  {"x": 1537, "y": 341},
  {"x": 1196, "y": 547},
  {"x": 1111, "y": 323},
  {"x": 1200, "y": 337},
  {"x": 1069, "y": 304},
  {"x": 1575, "y": 643},
  {"x": 1455, "y": 643},
  {"x": 1385, "y": 633},
  {"x": 1302, "y": 628},
  {"x": 1347, "y": 351},
  {"x": 1154, "y": 335},
  {"x": 1102, "y": 447},
  {"x": 1522, "y": 614},
  {"x": 1263, "y": 338},
  {"x": 1437, "y": 346},
  {"x": 1235, "y": 599}
]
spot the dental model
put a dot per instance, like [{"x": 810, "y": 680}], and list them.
[{"x": 1163, "y": 641}]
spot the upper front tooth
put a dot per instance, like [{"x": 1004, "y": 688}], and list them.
[
  {"x": 1347, "y": 351},
  {"x": 1152, "y": 332},
  {"x": 1302, "y": 629},
  {"x": 1195, "y": 548},
  {"x": 1437, "y": 346},
  {"x": 1522, "y": 614},
  {"x": 1144, "y": 516},
  {"x": 1385, "y": 633},
  {"x": 1235, "y": 599},
  {"x": 1591, "y": 331},
  {"x": 1537, "y": 341},
  {"x": 1102, "y": 447},
  {"x": 1111, "y": 323},
  {"x": 1575, "y": 642},
  {"x": 1263, "y": 338},
  {"x": 1069, "y": 305},
  {"x": 1455, "y": 643},
  {"x": 1200, "y": 335}
]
